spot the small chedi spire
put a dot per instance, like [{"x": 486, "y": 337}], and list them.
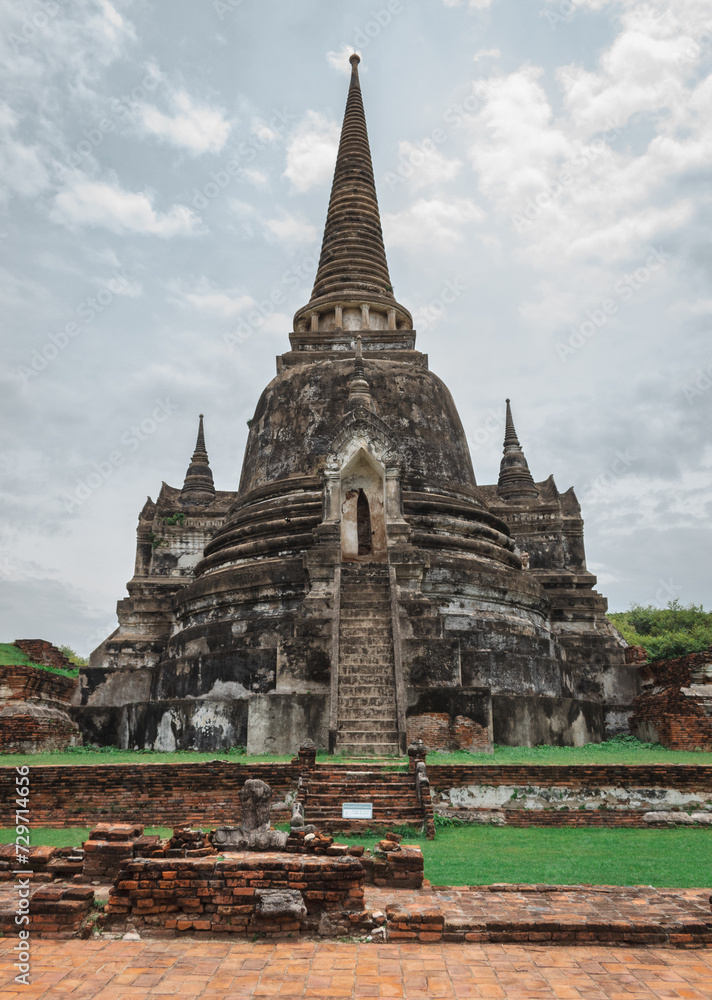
[
  {"x": 515, "y": 480},
  {"x": 359, "y": 387},
  {"x": 353, "y": 288},
  {"x": 198, "y": 488}
]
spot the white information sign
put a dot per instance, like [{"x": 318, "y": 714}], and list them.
[{"x": 357, "y": 810}]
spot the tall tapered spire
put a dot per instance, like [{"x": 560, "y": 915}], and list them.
[
  {"x": 198, "y": 488},
  {"x": 353, "y": 271},
  {"x": 515, "y": 480}
]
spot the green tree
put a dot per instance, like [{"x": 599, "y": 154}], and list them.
[
  {"x": 74, "y": 657},
  {"x": 665, "y": 632}
]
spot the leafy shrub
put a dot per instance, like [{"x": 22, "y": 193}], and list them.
[{"x": 666, "y": 632}]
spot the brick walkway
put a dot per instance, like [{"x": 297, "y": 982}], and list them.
[
  {"x": 542, "y": 913},
  {"x": 123, "y": 970}
]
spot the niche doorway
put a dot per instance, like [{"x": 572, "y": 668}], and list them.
[{"x": 363, "y": 524}]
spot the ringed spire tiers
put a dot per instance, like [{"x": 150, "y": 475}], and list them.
[
  {"x": 515, "y": 480},
  {"x": 353, "y": 290},
  {"x": 198, "y": 488}
]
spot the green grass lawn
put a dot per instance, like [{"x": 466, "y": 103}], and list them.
[
  {"x": 622, "y": 750},
  {"x": 626, "y": 750},
  {"x": 480, "y": 855}
]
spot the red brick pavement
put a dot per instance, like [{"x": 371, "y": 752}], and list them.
[
  {"x": 212, "y": 970},
  {"x": 580, "y": 914}
]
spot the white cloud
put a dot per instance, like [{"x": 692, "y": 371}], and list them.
[
  {"x": 339, "y": 60},
  {"x": 311, "y": 151},
  {"x": 290, "y": 229},
  {"x": 128, "y": 285},
  {"x": 431, "y": 222},
  {"x": 577, "y": 186},
  {"x": 475, "y": 4},
  {"x": 423, "y": 164},
  {"x": 79, "y": 43},
  {"x": 192, "y": 126},
  {"x": 93, "y": 203},
  {"x": 257, "y": 177},
  {"x": 486, "y": 54},
  {"x": 21, "y": 168},
  {"x": 203, "y": 295}
]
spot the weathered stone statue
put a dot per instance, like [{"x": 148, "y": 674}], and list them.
[
  {"x": 297, "y": 820},
  {"x": 255, "y": 833}
]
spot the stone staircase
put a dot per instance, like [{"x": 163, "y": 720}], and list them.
[
  {"x": 367, "y": 691},
  {"x": 392, "y": 794}
]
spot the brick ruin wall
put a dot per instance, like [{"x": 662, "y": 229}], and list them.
[
  {"x": 153, "y": 794},
  {"x": 41, "y": 651},
  {"x": 33, "y": 716},
  {"x": 668, "y": 710},
  {"x": 439, "y": 729},
  {"x": 574, "y": 795},
  {"x": 207, "y": 794},
  {"x": 19, "y": 682}
]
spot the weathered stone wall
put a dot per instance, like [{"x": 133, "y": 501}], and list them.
[
  {"x": 609, "y": 795},
  {"x": 190, "y": 724}
]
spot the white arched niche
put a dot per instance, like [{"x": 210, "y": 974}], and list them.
[{"x": 363, "y": 509}]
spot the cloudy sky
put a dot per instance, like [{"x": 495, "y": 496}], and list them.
[{"x": 544, "y": 180}]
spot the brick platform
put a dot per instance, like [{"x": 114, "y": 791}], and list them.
[
  {"x": 239, "y": 895},
  {"x": 56, "y": 911},
  {"x": 552, "y": 914}
]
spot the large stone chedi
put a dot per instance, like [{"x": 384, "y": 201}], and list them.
[{"x": 360, "y": 588}]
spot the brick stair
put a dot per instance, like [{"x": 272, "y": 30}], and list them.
[
  {"x": 392, "y": 794},
  {"x": 367, "y": 693}
]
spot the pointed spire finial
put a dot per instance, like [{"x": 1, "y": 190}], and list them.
[
  {"x": 353, "y": 270},
  {"x": 515, "y": 480},
  {"x": 198, "y": 488}
]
